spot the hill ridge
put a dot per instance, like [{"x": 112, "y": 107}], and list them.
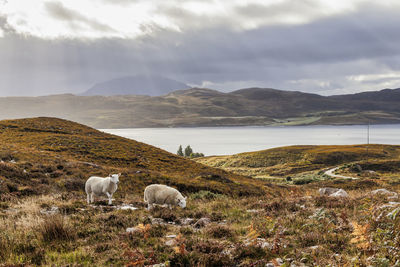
[{"x": 206, "y": 107}]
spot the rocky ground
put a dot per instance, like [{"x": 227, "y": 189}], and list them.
[{"x": 298, "y": 229}]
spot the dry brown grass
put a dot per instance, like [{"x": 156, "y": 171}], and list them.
[
  {"x": 53, "y": 155},
  {"x": 55, "y": 228},
  {"x": 247, "y": 228}
]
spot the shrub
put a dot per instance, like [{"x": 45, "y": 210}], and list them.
[
  {"x": 220, "y": 231},
  {"x": 251, "y": 251},
  {"x": 208, "y": 246},
  {"x": 205, "y": 195},
  {"x": 187, "y": 231},
  {"x": 6, "y": 156},
  {"x": 74, "y": 184},
  {"x": 303, "y": 181},
  {"x": 307, "y": 238},
  {"x": 333, "y": 202},
  {"x": 4, "y": 205},
  {"x": 215, "y": 260},
  {"x": 55, "y": 228},
  {"x": 164, "y": 213}
]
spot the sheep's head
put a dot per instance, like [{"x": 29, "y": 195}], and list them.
[
  {"x": 181, "y": 201},
  {"x": 115, "y": 178}
]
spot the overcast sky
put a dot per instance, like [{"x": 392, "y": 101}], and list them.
[{"x": 319, "y": 46}]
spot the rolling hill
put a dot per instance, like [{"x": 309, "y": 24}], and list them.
[
  {"x": 48, "y": 155},
  {"x": 205, "y": 107},
  {"x": 152, "y": 85},
  {"x": 290, "y": 160}
]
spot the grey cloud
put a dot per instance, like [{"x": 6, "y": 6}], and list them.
[
  {"x": 4, "y": 26},
  {"x": 275, "y": 10},
  {"x": 315, "y": 57},
  {"x": 74, "y": 18}
]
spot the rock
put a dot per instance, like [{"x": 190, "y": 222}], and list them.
[
  {"x": 170, "y": 236},
  {"x": 383, "y": 191},
  {"x": 332, "y": 192},
  {"x": 261, "y": 242},
  {"x": 253, "y": 211},
  {"x": 186, "y": 221},
  {"x": 339, "y": 193},
  {"x": 275, "y": 262},
  {"x": 326, "y": 191},
  {"x": 266, "y": 245},
  {"x": 158, "y": 265},
  {"x": 202, "y": 222},
  {"x": 157, "y": 221},
  {"x": 132, "y": 229},
  {"x": 223, "y": 222},
  {"x": 51, "y": 211},
  {"x": 126, "y": 207}
]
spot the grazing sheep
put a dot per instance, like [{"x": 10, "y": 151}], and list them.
[
  {"x": 162, "y": 194},
  {"x": 101, "y": 186}
]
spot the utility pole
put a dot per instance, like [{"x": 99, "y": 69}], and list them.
[{"x": 367, "y": 138}]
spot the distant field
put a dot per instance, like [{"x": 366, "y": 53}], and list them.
[{"x": 292, "y": 160}]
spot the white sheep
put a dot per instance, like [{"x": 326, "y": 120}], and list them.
[
  {"x": 161, "y": 195},
  {"x": 101, "y": 186}
]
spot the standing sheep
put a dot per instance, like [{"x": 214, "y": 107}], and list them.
[
  {"x": 162, "y": 194},
  {"x": 101, "y": 186}
]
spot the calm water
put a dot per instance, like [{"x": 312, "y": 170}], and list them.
[{"x": 232, "y": 140}]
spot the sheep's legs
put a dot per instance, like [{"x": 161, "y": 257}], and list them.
[
  {"x": 149, "y": 206},
  {"x": 109, "y": 198},
  {"x": 91, "y": 197},
  {"x": 88, "y": 198}
]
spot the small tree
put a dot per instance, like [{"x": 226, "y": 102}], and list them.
[
  {"x": 188, "y": 151},
  {"x": 180, "y": 151}
]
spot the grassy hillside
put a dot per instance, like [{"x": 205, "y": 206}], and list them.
[
  {"x": 289, "y": 160},
  {"x": 230, "y": 220},
  {"x": 46, "y": 154},
  {"x": 205, "y": 107}
]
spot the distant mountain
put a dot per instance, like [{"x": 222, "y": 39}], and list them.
[
  {"x": 151, "y": 85},
  {"x": 205, "y": 107},
  {"x": 382, "y": 95}
]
